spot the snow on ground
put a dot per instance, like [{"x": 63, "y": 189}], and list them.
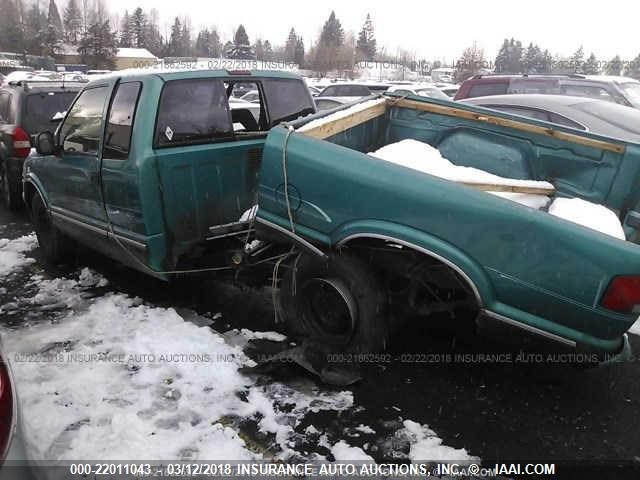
[
  {"x": 343, "y": 452},
  {"x": 12, "y": 253},
  {"x": 118, "y": 379},
  {"x": 341, "y": 114},
  {"x": 425, "y": 445},
  {"x": 110, "y": 377},
  {"x": 588, "y": 214}
]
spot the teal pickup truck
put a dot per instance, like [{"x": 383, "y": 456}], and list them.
[{"x": 165, "y": 172}]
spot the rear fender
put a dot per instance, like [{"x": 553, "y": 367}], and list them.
[{"x": 420, "y": 241}]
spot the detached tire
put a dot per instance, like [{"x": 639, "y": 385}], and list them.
[
  {"x": 338, "y": 303},
  {"x": 11, "y": 191},
  {"x": 55, "y": 246}
]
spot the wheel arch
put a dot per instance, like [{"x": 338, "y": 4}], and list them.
[
  {"x": 30, "y": 187},
  {"x": 428, "y": 245}
]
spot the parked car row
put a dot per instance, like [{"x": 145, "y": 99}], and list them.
[{"x": 622, "y": 90}]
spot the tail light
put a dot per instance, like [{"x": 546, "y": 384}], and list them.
[
  {"x": 21, "y": 143},
  {"x": 623, "y": 294},
  {"x": 6, "y": 409},
  {"x": 238, "y": 72}
]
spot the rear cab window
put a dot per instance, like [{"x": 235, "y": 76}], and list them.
[{"x": 194, "y": 111}]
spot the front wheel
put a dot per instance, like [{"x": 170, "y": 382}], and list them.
[
  {"x": 55, "y": 246},
  {"x": 338, "y": 303}
]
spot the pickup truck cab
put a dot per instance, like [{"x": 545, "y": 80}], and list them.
[
  {"x": 156, "y": 171},
  {"x": 156, "y": 162}
]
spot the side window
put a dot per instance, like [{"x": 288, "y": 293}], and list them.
[
  {"x": 329, "y": 92},
  {"x": 120, "y": 121},
  {"x": 287, "y": 99},
  {"x": 560, "y": 120},
  {"x": 4, "y": 107},
  {"x": 192, "y": 112},
  {"x": 587, "y": 91},
  {"x": 522, "y": 111},
  {"x": 82, "y": 128}
]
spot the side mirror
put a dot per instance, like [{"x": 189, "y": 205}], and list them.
[{"x": 45, "y": 144}]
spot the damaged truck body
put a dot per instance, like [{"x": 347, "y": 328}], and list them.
[{"x": 163, "y": 172}]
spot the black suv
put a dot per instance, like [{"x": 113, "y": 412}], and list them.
[{"x": 26, "y": 109}]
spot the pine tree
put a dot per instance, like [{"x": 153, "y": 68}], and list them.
[
  {"x": 502, "y": 58},
  {"x": 138, "y": 28},
  {"x": 72, "y": 23},
  {"x": 298, "y": 55},
  {"x": 328, "y": 51},
  {"x": 577, "y": 60},
  {"x": 53, "y": 34},
  {"x": 241, "y": 45},
  {"x": 174, "y": 48},
  {"x": 227, "y": 50},
  {"x": 332, "y": 32},
  {"x": 366, "y": 45},
  {"x": 185, "y": 40},
  {"x": 532, "y": 59},
  {"x": 35, "y": 30},
  {"x": 53, "y": 17},
  {"x": 591, "y": 66},
  {"x": 546, "y": 62},
  {"x": 11, "y": 34},
  {"x": 124, "y": 39},
  {"x": 98, "y": 46},
  {"x": 153, "y": 39},
  {"x": 634, "y": 68},
  {"x": 258, "y": 47},
  {"x": 614, "y": 66},
  {"x": 290, "y": 46},
  {"x": 268, "y": 51}
]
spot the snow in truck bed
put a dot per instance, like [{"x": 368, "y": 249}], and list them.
[{"x": 425, "y": 158}]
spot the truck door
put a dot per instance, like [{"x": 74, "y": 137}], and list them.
[
  {"x": 72, "y": 176},
  {"x": 119, "y": 169}
]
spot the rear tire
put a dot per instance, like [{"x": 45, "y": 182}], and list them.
[
  {"x": 337, "y": 303},
  {"x": 11, "y": 191},
  {"x": 55, "y": 246}
]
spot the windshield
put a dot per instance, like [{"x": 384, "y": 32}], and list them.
[
  {"x": 632, "y": 92},
  {"x": 40, "y": 108}
]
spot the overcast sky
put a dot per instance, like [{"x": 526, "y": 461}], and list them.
[{"x": 432, "y": 29}]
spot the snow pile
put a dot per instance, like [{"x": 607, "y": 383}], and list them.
[
  {"x": 425, "y": 158},
  {"x": 425, "y": 445},
  {"x": 341, "y": 114},
  {"x": 117, "y": 379},
  {"x": 343, "y": 452},
  {"x": 589, "y": 215},
  {"x": 12, "y": 253}
]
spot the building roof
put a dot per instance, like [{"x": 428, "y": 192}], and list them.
[
  {"x": 72, "y": 50},
  {"x": 135, "y": 53}
]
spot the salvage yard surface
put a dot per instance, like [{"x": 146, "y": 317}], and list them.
[{"x": 133, "y": 368}]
